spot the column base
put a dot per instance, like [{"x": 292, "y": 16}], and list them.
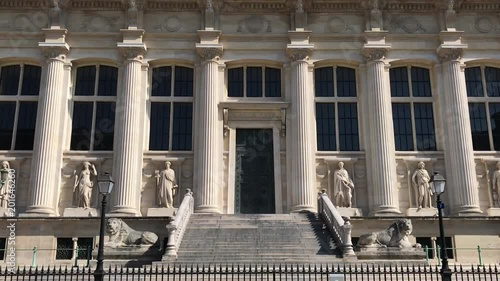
[
  {"x": 206, "y": 209},
  {"x": 385, "y": 211},
  {"x": 493, "y": 212},
  {"x": 468, "y": 211},
  {"x": 303, "y": 209},
  {"x": 124, "y": 211},
  {"x": 39, "y": 211}
]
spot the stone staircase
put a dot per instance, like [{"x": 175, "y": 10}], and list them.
[{"x": 281, "y": 238}]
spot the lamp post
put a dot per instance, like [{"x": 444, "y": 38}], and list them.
[
  {"x": 105, "y": 186},
  {"x": 437, "y": 184}
]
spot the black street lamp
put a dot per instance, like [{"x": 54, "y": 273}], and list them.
[
  {"x": 437, "y": 184},
  {"x": 105, "y": 186}
]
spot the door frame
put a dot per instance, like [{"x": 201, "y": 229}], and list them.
[{"x": 254, "y": 124}]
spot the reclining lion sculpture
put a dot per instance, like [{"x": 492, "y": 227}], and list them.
[
  {"x": 396, "y": 235},
  {"x": 121, "y": 235}
]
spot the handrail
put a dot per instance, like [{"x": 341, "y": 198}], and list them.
[
  {"x": 177, "y": 227},
  {"x": 339, "y": 227}
]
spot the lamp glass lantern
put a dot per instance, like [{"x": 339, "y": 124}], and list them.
[
  {"x": 106, "y": 184},
  {"x": 438, "y": 183}
]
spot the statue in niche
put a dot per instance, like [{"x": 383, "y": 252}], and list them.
[
  {"x": 166, "y": 184},
  {"x": 343, "y": 186},
  {"x": 496, "y": 186},
  {"x": 83, "y": 185},
  {"x": 4, "y": 184},
  {"x": 420, "y": 181}
]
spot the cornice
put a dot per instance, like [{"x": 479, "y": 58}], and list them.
[
  {"x": 178, "y": 5},
  {"x": 23, "y": 4}
]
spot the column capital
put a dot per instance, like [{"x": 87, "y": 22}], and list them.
[
  {"x": 299, "y": 53},
  {"x": 210, "y": 52},
  {"x": 132, "y": 53},
  {"x": 374, "y": 54},
  {"x": 54, "y": 52},
  {"x": 449, "y": 54}
]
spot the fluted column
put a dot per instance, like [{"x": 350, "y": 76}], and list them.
[
  {"x": 128, "y": 150},
  {"x": 384, "y": 195},
  {"x": 302, "y": 179},
  {"x": 46, "y": 164},
  {"x": 209, "y": 172},
  {"x": 461, "y": 172}
]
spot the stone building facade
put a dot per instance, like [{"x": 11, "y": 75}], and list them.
[{"x": 254, "y": 103}]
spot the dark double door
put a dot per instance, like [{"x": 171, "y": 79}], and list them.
[{"x": 254, "y": 190}]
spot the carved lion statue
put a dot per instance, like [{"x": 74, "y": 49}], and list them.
[
  {"x": 120, "y": 234},
  {"x": 396, "y": 235}
]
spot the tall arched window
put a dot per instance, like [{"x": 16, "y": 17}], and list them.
[
  {"x": 94, "y": 102},
  {"x": 171, "y": 111},
  {"x": 412, "y": 111},
  {"x": 254, "y": 82},
  {"x": 483, "y": 92},
  {"x": 336, "y": 109},
  {"x": 19, "y": 89}
]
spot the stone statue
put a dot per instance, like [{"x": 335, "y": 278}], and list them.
[
  {"x": 166, "y": 184},
  {"x": 343, "y": 186},
  {"x": 83, "y": 185},
  {"x": 496, "y": 186},
  {"x": 4, "y": 184},
  {"x": 121, "y": 235},
  {"x": 420, "y": 180},
  {"x": 396, "y": 235}
]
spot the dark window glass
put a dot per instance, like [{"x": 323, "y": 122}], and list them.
[
  {"x": 31, "y": 80},
  {"x": 108, "y": 81},
  {"x": 479, "y": 126},
  {"x": 420, "y": 82},
  {"x": 85, "y": 245},
  {"x": 235, "y": 82},
  {"x": 182, "y": 126},
  {"x": 9, "y": 80},
  {"x": 82, "y": 126},
  {"x": 2, "y": 248},
  {"x": 346, "y": 82},
  {"x": 401, "y": 116},
  {"x": 426, "y": 242},
  {"x": 323, "y": 82},
  {"x": 104, "y": 126},
  {"x": 348, "y": 127},
  {"x": 473, "y": 82},
  {"x": 159, "y": 126},
  {"x": 254, "y": 82},
  {"x": 325, "y": 126},
  {"x": 162, "y": 81},
  {"x": 492, "y": 76},
  {"x": 424, "y": 126},
  {"x": 399, "y": 82},
  {"x": 26, "y": 124},
  {"x": 183, "y": 86},
  {"x": 495, "y": 124},
  {"x": 449, "y": 246},
  {"x": 85, "y": 81},
  {"x": 64, "y": 249},
  {"x": 273, "y": 82},
  {"x": 7, "y": 113}
]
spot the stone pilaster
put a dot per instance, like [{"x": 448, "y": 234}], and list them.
[
  {"x": 461, "y": 172},
  {"x": 384, "y": 196},
  {"x": 128, "y": 127},
  {"x": 47, "y": 151},
  {"x": 209, "y": 172},
  {"x": 303, "y": 175}
]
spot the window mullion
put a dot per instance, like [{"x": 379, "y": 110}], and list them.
[
  {"x": 413, "y": 127},
  {"x": 337, "y": 138},
  {"x": 488, "y": 122},
  {"x": 483, "y": 82},
  {"x": 244, "y": 81},
  {"x": 172, "y": 81},
  {"x": 14, "y": 128},
  {"x": 92, "y": 130},
  {"x": 20, "y": 82},
  {"x": 171, "y": 127},
  {"x": 335, "y": 94}
]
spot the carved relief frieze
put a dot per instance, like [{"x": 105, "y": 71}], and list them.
[
  {"x": 337, "y": 24},
  {"x": 169, "y": 24},
  {"x": 254, "y": 24},
  {"x": 407, "y": 24},
  {"x": 99, "y": 23},
  {"x": 487, "y": 24},
  {"x": 173, "y": 6},
  {"x": 26, "y": 23}
]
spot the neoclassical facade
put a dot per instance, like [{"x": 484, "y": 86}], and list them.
[{"x": 254, "y": 103}]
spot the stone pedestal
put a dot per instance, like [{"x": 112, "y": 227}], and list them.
[
  {"x": 131, "y": 253},
  {"x": 423, "y": 212},
  {"x": 80, "y": 212},
  {"x": 350, "y": 212},
  {"x": 393, "y": 254},
  {"x": 161, "y": 212},
  {"x": 493, "y": 212}
]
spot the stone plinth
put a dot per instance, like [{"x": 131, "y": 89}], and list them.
[
  {"x": 350, "y": 212},
  {"x": 80, "y": 212},
  {"x": 161, "y": 212},
  {"x": 493, "y": 212},
  {"x": 391, "y": 253},
  {"x": 423, "y": 212},
  {"x": 131, "y": 253}
]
